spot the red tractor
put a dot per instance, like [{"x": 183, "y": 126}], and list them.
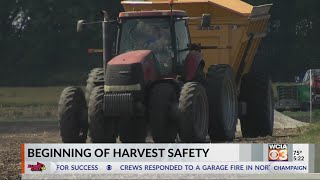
[{"x": 156, "y": 83}]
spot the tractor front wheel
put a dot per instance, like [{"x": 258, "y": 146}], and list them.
[
  {"x": 194, "y": 113},
  {"x": 101, "y": 129},
  {"x": 73, "y": 116}
]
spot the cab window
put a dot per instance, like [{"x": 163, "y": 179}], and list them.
[
  {"x": 182, "y": 40},
  {"x": 152, "y": 34}
]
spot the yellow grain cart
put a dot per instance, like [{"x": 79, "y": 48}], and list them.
[{"x": 237, "y": 28}]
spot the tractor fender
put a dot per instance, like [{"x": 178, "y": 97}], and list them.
[{"x": 193, "y": 61}]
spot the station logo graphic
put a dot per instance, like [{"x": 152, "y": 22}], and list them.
[
  {"x": 38, "y": 167},
  {"x": 109, "y": 167},
  {"x": 278, "y": 152}
]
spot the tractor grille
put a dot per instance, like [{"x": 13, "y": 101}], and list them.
[
  {"x": 124, "y": 74},
  {"x": 287, "y": 92},
  {"x": 118, "y": 104}
]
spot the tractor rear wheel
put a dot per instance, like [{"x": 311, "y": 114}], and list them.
[
  {"x": 73, "y": 115},
  {"x": 223, "y": 103},
  {"x": 193, "y": 113},
  {"x": 101, "y": 129},
  {"x": 95, "y": 75},
  {"x": 256, "y": 91},
  {"x": 163, "y": 102}
]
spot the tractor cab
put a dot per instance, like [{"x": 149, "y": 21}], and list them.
[{"x": 165, "y": 35}]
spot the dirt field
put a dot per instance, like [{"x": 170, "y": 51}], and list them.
[{"x": 13, "y": 134}]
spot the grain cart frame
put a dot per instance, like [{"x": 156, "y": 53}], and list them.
[{"x": 185, "y": 93}]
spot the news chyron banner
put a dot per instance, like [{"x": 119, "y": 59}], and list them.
[{"x": 167, "y": 158}]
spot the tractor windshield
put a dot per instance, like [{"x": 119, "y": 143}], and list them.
[{"x": 152, "y": 34}]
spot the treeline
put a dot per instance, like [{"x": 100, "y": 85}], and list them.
[
  {"x": 291, "y": 46},
  {"x": 39, "y": 45}
]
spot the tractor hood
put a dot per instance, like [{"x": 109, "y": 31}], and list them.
[
  {"x": 131, "y": 69},
  {"x": 131, "y": 57}
]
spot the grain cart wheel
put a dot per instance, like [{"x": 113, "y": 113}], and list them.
[
  {"x": 256, "y": 91},
  {"x": 193, "y": 113},
  {"x": 101, "y": 129},
  {"x": 162, "y": 102},
  {"x": 73, "y": 116},
  {"x": 223, "y": 103},
  {"x": 95, "y": 75}
]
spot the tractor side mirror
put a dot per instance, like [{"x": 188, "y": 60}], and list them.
[
  {"x": 206, "y": 20},
  {"x": 80, "y": 24}
]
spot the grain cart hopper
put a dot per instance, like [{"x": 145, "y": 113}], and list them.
[{"x": 181, "y": 70}]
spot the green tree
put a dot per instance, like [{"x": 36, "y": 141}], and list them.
[{"x": 39, "y": 44}]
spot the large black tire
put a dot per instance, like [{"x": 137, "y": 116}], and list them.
[
  {"x": 73, "y": 116},
  {"x": 95, "y": 76},
  {"x": 256, "y": 91},
  {"x": 163, "y": 102},
  {"x": 193, "y": 113},
  {"x": 101, "y": 129},
  {"x": 223, "y": 103}
]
